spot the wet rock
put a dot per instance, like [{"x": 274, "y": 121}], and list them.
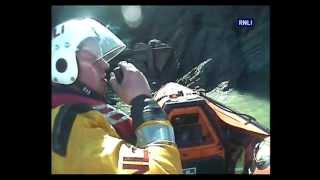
[
  {"x": 200, "y": 76},
  {"x": 200, "y": 33}
]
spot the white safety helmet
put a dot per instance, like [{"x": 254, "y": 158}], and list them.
[{"x": 65, "y": 41}]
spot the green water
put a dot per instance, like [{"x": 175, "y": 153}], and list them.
[{"x": 247, "y": 103}]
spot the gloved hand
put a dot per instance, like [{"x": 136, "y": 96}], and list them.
[{"x": 134, "y": 83}]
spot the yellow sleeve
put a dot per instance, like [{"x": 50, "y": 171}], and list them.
[
  {"x": 164, "y": 159},
  {"x": 155, "y": 159},
  {"x": 94, "y": 147}
]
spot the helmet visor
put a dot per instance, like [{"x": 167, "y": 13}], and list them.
[{"x": 101, "y": 42}]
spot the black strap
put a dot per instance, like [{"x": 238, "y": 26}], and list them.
[
  {"x": 85, "y": 90},
  {"x": 63, "y": 125},
  {"x": 145, "y": 109}
]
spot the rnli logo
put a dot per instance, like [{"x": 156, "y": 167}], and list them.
[{"x": 245, "y": 22}]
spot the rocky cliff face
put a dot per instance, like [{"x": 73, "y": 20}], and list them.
[{"x": 199, "y": 33}]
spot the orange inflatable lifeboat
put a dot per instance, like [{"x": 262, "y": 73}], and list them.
[{"x": 210, "y": 136}]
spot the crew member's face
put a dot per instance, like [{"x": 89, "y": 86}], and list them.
[{"x": 92, "y": 72}]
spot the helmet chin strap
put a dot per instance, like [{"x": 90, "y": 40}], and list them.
[{"x": 86, "y": 91}]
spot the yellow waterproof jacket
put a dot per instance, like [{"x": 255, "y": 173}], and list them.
[{"x": 84, "y": 142}]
